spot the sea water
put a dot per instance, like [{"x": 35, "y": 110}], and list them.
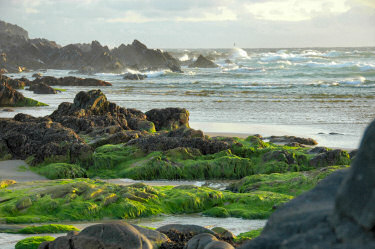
[{"x": 324, "y": 93}]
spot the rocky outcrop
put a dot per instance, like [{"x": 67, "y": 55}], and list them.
[
  {"x": 169, "y": 118},
  {"x": 11, "y": 97},
  {"x": 42, "y": 88},
  {"x": 40, "y": 138},
  {"x": 91, "y": 111},
  {"x": 291, "y": 139},
  {"x": 144, "y": 58},
  {"x": 329, "y": 158},
  {"x": 14, "y": 83},
  {"x": 20, "y": 53},
  {"x": 134, "y": 76},
  {"x": 203, "y": 62},
  {"x": 337, "y": 213},
  {"x": 186, "y": 139},
  {"x": 69, "y": 81}
]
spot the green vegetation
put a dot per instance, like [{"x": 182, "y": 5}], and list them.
[
  {"x": 33, "y": 242},
  {"x": 51, "y": 228},
  {"x": 242, "y": 237},
  {"x": 59, "y": 89},
  {"x": 29, "y": 102},
  {"x": 62, "y": 171}
]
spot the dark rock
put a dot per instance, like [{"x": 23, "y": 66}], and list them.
[
  {"x": 295, "y": 144},
  {"x": 134, "y": 76},
  {"x": 168, "y": 118},
  {"x": 36, "y": 75},
  {"x": 331, "y": 157},
  {"x": 291, "y": 139},
  {"x": 337, "y": 213},
  {"x": 200, "y": 241},
  {"x": 42, "y": 88},
  {"x": 228, "y": 61},
  {"x": 318, "y": 150},
  {"x": 10, "y": 97},
  {"x": 280, "y": 155},
  {"x": 39, "y": 137},
  {"x": 103, "y": 236},
  {"x": 164, "y": 142},
  {"x": 117, "y": 138},
  {"x": 223, "y": 233},
  {"x": 353, "y": 153},
  {"x": 14, "y": 83},
  {"x": 70, "y": 81},
  {"x": 203, "y": 62},
  {"x": 155, "y": 237},
  {"x": 218, "y": 245},
  {"x": 194, "y": 229},
  {"x": 7, "y": 110}
]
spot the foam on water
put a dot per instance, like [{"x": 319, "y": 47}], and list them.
[{"x": 238, "y": 53}]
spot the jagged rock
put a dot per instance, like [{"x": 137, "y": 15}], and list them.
[
  {"x": 14, "y": 83},
  {"x": 36, "y": 75},
  {"x": 70, "y": 81},
  {"x": 279, "y": 155},
  {"x": 10, "y": 97},
  {"x": 102, "y": 236},
  {"x": 41, "y": 138},
  {"x": 331, "y": 157},
  {"x": 166, "y": 142},
  {"x": 223, "y": 233},
  {"x": 168, "y": 118},
  {"x": 337, "y": 213},
  {"x": 203, "y": 62},
  {"x": 42, "y": 88},
  {"x": 318, "y": 150},
  {"x": 291, "y": 139},
  {"x": 134, "y": 76}
]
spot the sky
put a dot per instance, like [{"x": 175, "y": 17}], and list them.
[{"x": 198, "y": 23}]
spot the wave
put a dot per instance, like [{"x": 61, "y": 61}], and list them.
[
  {"x": 332, "y": 64},
  {"x": 356, "y": 81},
  {"x": 241, "y": 69},
  {"x": 150, "y": 74},
  {"x": 185, "y": 57},
  {"x": 238, "y": 53}
]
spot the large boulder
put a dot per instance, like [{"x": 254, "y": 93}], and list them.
[
  {"x": 203, "y": 62},
  {"x": 337, "y": 213},
  {"x": 102, "y": 236},
  {"x": 134, "y": 76},
  {"x": 42, "y": 88},
  {"x": 70, "y": 81},
  {"x": 292, "y": 139},
  {"x": 11, "y": 97},
  {"x": 41, "y": 138},
  {"x": 168, "y": 118}
]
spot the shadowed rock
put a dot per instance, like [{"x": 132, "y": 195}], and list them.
[
  {"x": 42, "y": 88},
  {"x": 203, "y": 62},
  {"x": 337, "y": 213},
  {"x": 69, "y": 81}
]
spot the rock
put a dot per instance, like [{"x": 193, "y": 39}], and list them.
[
  {"x": 11, "y": 97},
  {"x": 318, "y": 150},
  {"x": 291, "y": 139},
  {"x": 203, "y": 62},
  {"x": 103, "y": 236},
  {"x": 218, "y": 245},
  {"x": 279, "y": 155},
  {"x": 24, "y": 203},
  {"x": 194, "y": 229},
  {"x": 36, "y": 75},
  {"x": 337, "y": 213},
  {"x": 164, "y": 142},
  {"x": 70, "y": 81},
  {"x": 200, "y": 241},
  {"x": 41, "y": 138},
  {"x": 14, "y": 83},
  {"x": 168, "y": 118},
  {"x": 42, "y": 88},
  {"x": 134, "y": 76},
  {"x": 155, "y": 237},
  {"x": 223, "y": 233},
  {"x": 329, "y": 158},
  {"x": 117, "y": 138},
  {"x": 227, "y": 61},
  {"x": 353, "y": 153},
  {"x": 7, "y": 110}
]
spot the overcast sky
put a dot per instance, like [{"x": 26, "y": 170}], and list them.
[{"x": 197, "y": 23}]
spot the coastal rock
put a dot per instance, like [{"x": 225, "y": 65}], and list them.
[
  {"x": 223, "y": 233},
  {"x": 203, "y": 62},
  {"x": 193, "y": 229},
  {"x": 337, "y": 213},
  {"x": 42, "y": 88},
  {"x": 134, "y": 76},
  {"x": 200, "y": 241},
  {"x": 292, "y": 139},
  {"x": 36, "y": 75},
  {"x": 168, "y": 118},
  {"x": 218, "y": 245},
  {"x": 70, "y": 81},
  {"x": 14, "y": 83},
  {"x": 279, "y": 155},
  {"x": 41, "y": 138},
  {"x": 329, "y": 158},
  {"x": 10, "y": 97},
  {"x": 102, "y": 236}
]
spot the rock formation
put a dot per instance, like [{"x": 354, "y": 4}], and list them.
[
  {"x": 203, "y": 62},
  {"x": 11, "y": 97},
  {"x": 69, "y": 81},
  {"x": 18, "y": 53},
  {"x": 42, "y": 88},
  {"x": 338, "y": 213}
]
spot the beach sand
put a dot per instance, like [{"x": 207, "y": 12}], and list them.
[{"x": 18, "y": 170}]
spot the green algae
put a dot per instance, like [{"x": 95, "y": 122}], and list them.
[
  {"x": 28, "y": 102},
  {"x": 61, "y": 171},
  {"x": 33, "y": 242},
  {"x": 242, "y": 237},
  {"x": 50, "y": 228}
]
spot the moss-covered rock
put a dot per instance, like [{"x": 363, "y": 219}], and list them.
[
  {"x": 51, "y": 228},
  {"x": 33, "y": 242},
  {"x": 62, "y": 171}
]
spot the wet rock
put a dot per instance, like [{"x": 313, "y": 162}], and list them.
[
  {"x": 168, "y": 118},
  {"x": 200, "y": 241},
  {"x": 36, "y": 75},
  {"x": 103, "y": 236},
  {"x": 223, "y": 233},
  {"x": 7, "y": 110},
  {"x": 14, "y": 83},
  {"x": 42, "y": 88},
  {"x": 193, "y": 229},
  {"x": 203, "y": 62},
  {"x": 117, "y": 138},
  {"x": 41, "y": 138},
  {"x": 218, "y": 245},
  {"x": 134, "y": 76},
  {"x": 279, "y": 155},
  {"x": 291, "y": 139},
  {"x": 11, "y": 97},
  {"x": 70, "y": 81},
  {"x": 318, "y": 150},
  {"x": 329, "y": 158},
  {"x": 337, "y": 213}
]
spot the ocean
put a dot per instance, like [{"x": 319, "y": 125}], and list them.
[{"x": 324, "y": 93}]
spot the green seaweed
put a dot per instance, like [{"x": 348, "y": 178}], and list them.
[
  {"x": 242, "y": 237},
  {"x": 50, "y": 228},
  {"x": 33, "y": 242},
  {"x": 62, "y": 170}
]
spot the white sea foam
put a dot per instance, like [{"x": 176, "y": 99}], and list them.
[
  {"x": 355, "y": 81},
  {"x": 238, "y": 53},
  {"x": 332, "y": 64},
  {"x": 185, "y": 57}
]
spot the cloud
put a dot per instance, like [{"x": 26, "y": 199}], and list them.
[
  {"x": 220, "y": 14},
  {"x": 295, "y": 10}
]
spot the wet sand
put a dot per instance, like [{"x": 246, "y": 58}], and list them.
[{"x": 18, "y": 170}]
